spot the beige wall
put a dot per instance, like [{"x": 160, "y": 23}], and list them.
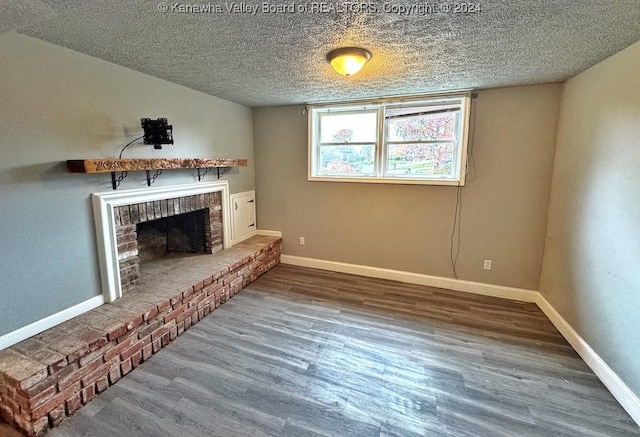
[
  {"x": 402, "y": 227},
  {"x": 56, "y": 104},
  {"x": 591, "y": 272}
]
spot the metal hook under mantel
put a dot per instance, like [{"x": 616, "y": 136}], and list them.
[
  {"x": 222, "y": 171},
  {"x": 203, "y": 173},
  {"x": 115, "y": 182},
  {"x": 152, "y": 179}
]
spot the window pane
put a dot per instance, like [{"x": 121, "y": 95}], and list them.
[
  {"x": 404, "y": 141},
  {"x": 348, "y": 128},
  {"x": 347, "y": 160},
  {"x": 413, "y": 160},
  {"x": 413, "y": 124}
]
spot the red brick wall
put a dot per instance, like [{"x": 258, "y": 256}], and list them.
[
  {"x": 128, "y": 216},
  {"x": 48, "y": 377}
]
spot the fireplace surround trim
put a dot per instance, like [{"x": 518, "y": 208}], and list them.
[{"x": 104, "y": 204}]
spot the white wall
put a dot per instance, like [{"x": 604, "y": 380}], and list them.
[
  {"x": 55, "y": 105},
  {"x": 591, "y": 270}
]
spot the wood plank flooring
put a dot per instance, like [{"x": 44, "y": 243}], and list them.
[{"x": 302, "y": 352}]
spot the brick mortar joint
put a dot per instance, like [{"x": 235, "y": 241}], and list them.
[{"x": 171, "y": 330}]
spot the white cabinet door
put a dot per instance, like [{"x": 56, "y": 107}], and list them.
[{"x": 243, "y": 215}]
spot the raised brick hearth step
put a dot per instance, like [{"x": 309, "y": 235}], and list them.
[{"x": 46, "y": 378}]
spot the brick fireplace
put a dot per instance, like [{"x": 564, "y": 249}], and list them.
[
  {"x": 118, "y": 216},
  {"x": 48, "y": 377},
  {"x": 153, "y": 229}
]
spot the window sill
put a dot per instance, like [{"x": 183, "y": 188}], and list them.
[{"x": 397, "y": 181}]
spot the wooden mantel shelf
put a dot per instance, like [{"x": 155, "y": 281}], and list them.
[
  {"x": 107, "y": 165},
  {"x": 113, "y": 165}
]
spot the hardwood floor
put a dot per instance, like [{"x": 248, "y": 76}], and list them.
[{"x": 302, "y": 352}]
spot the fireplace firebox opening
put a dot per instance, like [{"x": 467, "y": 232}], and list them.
[
  {"x": 184, "y": 233},
  {"x": 151, "y": 230}
]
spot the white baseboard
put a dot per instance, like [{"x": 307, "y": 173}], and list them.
[
  {"x": 267, "y": 233},
  {"x": 609, "y": 378},
  {"x": 629, "y": 401},
  {"x": 519, "y": 294},
  {"x": 49, "y": 322},
  {"x": 240, "y": 239}
]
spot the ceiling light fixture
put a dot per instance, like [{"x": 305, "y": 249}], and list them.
[{"x": 348, "y": 60}]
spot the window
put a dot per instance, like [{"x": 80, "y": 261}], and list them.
[{"x": 419, "y": 141}]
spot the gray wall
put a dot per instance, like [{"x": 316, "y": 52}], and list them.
[
  {"x": 402, "y": 227},
  {"x": 591, "y": 272},
  {"x": 55, "y": 105}
]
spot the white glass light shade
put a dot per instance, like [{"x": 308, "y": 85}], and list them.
[{"x": 348, "y": 60}]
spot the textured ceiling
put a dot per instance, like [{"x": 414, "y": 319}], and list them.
[{"x": 279, "y": 58}]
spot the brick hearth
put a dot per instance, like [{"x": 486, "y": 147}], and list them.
[
  {"x": 128, "y": 216},
  {"x": 48, "y": 377}
]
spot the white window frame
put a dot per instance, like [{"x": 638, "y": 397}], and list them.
[{"x": 460, "y": 154}]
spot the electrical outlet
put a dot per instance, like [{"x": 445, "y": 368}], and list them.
[
  {"x": 487, "y": 264},
  {"x": 301, "y": 241}
]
